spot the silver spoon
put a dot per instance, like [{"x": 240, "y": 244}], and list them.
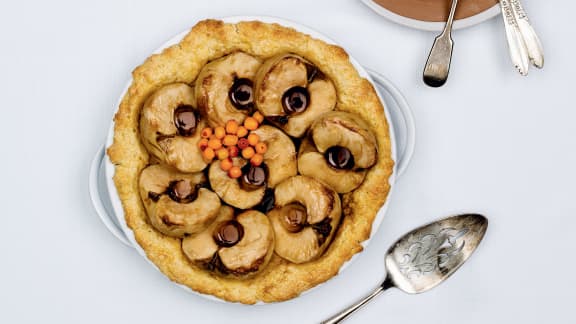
[
  {"x": 426, "y": 256},
  {"x": 438, "y": 63}
]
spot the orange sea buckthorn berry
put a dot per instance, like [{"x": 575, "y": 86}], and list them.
[
  {"x": 214, "y": 143},
  {"x": 232, "y": 126},
  {"x": 226, "y": 164},
  {"x": 250, "y": 123},
  {"x": 257, "y": 159},
  {"x": 203, "y": 143},
  {"x": 206, "y": 132},
  {"x": 242, "y": 131},
  {"x": 222, "y": 153},
  {"x": 233, "y": 151},
  {"x": 230, "y": 140},
  {"x": 261, "y": 148},
  {"x": 208, "y": 154},
  {"x": 248, "y": 153},
  {"x": 253, "y": 139},
  {"x": 259, "y": 117},
  {"x": 220, "y": 132},
  {"x": 243, "y": 143},
  {"x": 235, "y": 172}
]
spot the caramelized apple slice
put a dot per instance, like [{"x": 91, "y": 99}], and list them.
[
  {"x": 201, "y": 247},
  {"x": 224, "y": 88},
  {"x": 338, "y": 151},
  {"x": 343, "y": 129},
  {"x": 314, "y": 164},
  {"x": 305, "y": 218},
  {"x": 280, "y": 156},
  {"x": 170, "y": 127},
  {"x": 254, "y": 248},
  {"x": 177, "y": 203},
  {"x": 231, "y": 190},
  {"x": 291, "y": 92},
  {"x": 239, "y": 247}
]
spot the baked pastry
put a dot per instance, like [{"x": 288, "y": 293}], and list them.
[
  {"x": 170, "y": 127},
  {"x": 224, "y": 88},
  {"x": 231, "y": 190},
  {"x": 292, "y": 92},
  {"x": 217, "y": 121},
  {"x": 305, "y": 218},
  {"x": 234, "y": 246},
  {"x": 338, "y": 150},
  {"x": 280, "y": 156},
  {"x": 176, "y": 203}
]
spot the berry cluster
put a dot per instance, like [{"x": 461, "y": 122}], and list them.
[{"x": 232, "y": 140}]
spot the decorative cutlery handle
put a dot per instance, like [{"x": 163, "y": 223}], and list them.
[
  {"x": 535, "y": 52},
  {"x": 338, "y": 318},
  {"x": 516, "y": 45}
]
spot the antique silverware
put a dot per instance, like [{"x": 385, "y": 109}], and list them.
[
  {"x": 438, "y": 63},
  {"x": 426, "y": 256},
  {"x": 516, "y": 44},
  {"x": 531, "y": 40}
]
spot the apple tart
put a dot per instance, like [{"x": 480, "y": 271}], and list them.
[{"x": 251, "y": 160}]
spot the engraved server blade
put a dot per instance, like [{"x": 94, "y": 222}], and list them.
[{"x": 426, "y": 256}]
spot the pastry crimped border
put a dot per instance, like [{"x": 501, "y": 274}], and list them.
[{"x": 211, "y": 39}]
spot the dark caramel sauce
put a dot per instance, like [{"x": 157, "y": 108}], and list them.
[
  {"x": 253, "y": 177},
  {"x": 294, "y": 217},
  {"x": 339, "y": 157},
  {"x": 295, "y": 100},
  {"x": 185, "y": 120},
  {"x": 435, "y": 10},
  {"x": 229, "y": 233},
  {"x": 241, "y": 93}
]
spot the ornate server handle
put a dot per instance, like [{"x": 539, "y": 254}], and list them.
[
  {"x": 516, "y": 45},
  {"x": 533, "y": 45},
  {"x": 352, "y": 308}
]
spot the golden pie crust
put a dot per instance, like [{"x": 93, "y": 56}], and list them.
[{"x": 209, "y": 40}]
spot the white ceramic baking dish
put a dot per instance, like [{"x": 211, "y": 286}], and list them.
[{"x": 402, "y": 133}]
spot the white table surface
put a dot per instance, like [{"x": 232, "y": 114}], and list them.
[{"x": 490, "y": 141}]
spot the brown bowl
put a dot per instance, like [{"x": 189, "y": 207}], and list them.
[{"x": 435, "y": 10}]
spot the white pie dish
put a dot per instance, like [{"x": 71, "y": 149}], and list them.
[{"x": 109, "y": 207}]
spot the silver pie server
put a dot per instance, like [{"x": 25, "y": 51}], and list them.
[
  {"x": 426, "y": 256},
  {"x": 438, "y": 63}
]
